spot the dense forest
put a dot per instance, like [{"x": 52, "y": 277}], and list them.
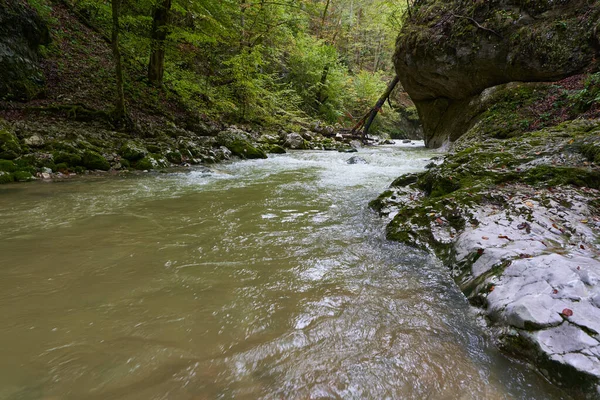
[{"x": 255, "y": 62}]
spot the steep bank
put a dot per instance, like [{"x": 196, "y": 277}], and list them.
[{"x": 513, "y": 208}]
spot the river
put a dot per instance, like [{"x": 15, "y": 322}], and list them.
[{"x": 266, "y": 279}]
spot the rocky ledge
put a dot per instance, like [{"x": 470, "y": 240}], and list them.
[{"x": 513, "y": 210}]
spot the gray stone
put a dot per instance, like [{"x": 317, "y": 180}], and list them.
[
  {"x": 294, "y": 141},
  {"x": 356, "y": 160}
]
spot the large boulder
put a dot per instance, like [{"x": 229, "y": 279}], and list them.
[
  {"x": 22, "y": 31},
  {"x": 239, "y": 144},
  {"x": 295, "y": 141},
  {"x": 449, "y": 52}
]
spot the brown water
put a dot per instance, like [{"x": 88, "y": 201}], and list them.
[{"x": 264, "y": 279}]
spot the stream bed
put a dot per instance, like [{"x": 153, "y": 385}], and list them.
[{"x": 267, "y": 279}]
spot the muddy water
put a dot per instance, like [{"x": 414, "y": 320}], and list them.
[{"x": 263, "y": 279}]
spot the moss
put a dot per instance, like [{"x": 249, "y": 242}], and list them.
[
  {"x": 70, "y": 159},
  {"x": 10, "y": 148},
  {"x": 151, "y": 161},
  {"x": 7, "y": 166},
  {"x": 276, "y": 149},
  {"x": 554, "y": 176},
  {"x": 405, "y": 180},
  {"x": 93, "y": 160},
  {"x": 175, "y": 157},
  {"x": 6, "y": 177},
  {"x": 22, "y": 176},
  {"x": 239, "y": 145},
  {"x": 133, "y": 151}
]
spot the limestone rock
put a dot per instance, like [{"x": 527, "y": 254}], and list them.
[
  {"x": 445, "y": 61},
  {"x": 295, "y": 141}
]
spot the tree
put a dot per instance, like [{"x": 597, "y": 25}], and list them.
[
  {"x": 120, "y": 112},
  {"x": 160, "y": 30}
]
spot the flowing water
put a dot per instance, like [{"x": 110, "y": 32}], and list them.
[{"x": 262, "y": 279}]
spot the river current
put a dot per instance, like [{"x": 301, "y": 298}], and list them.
[{"x": 267, "y": 279}]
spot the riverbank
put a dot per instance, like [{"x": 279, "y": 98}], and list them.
[
  {"x": 46, "y": 146},
  {"x": 515, "y": 214}
]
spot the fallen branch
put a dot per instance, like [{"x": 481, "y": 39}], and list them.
[{"x": 478, "y": 25}]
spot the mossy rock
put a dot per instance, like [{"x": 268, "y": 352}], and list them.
[
  {"x": 93, "y": 160},
  {"x": 133, "y": 151},
  {"x": 10, "y": 148},
  {"x": 6, "y": 177},
  {"x": 174, "y": 157},
  {"x": 151, "y": 161},
  {"x": 239, "y": 145},
  {"x": 7, "y": 166},
  {"x": 23, "y": 176},
  {"x": 276, "y": 149},
  {"x": 70, "y": 159}
]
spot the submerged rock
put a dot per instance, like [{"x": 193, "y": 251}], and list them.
[{"x": 356, "y": 160}]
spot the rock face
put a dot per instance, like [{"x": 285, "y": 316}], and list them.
[
  {"x": 516, "y": 216},
  {"x": 449, "y": 52},
  {"x": 21, "y": 33}
]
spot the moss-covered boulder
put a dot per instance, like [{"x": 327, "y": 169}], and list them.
[
  {"x": 239, "y": 144},
  {"x": 449, "y": 52},
  {"x": 93, "y": 160},
  {"x": 133, "y": 151},
  {"x": 10, "y": 148},
  {"x": 151, "y": 161},
  {"x": 276, "y": 149}
]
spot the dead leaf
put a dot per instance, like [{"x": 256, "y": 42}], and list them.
[
  {"x": 529, "y": 204},
  {"x": 485, "y": 238},
  {"x": 582, "y": 247}
]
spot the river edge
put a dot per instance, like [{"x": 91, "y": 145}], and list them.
[
  {"x": 517, "y": 221},
  {"x": 49, "y": 148}
]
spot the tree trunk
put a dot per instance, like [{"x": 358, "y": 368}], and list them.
[
  {"x": 160, "y": 30},
  {"x": 320, "y": 97},
  {"x": 378, "y": 105},
  {"x": 120, "y": 110}
]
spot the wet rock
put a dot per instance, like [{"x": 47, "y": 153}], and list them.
[
  {"x": 347, "y": 149},
  {"x": 356, "y": 160},
  {"x": 406, "y": 141},
  {"x": 239, "y": 144},
  {"x": 151, "y": 162},
  {"x": 34, "y": 141},
  {"x": 295, "y": 141},
  {"x": 133, "y": 151},
  {"x": 276, "y": 149},
  {"x": 356, "y": 144},
  {"x": 387, "y": 142}
]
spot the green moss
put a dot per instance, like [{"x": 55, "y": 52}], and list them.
[
  {"x": 276, "y": 149},
  {"x": 133, "y": 151},
  {"x": 7, "y": 166},
  {"x": 174, "y": 157},
  {"x": 554, "y": 176},
  {"x": 10, "y": 148},
  {"x": 93, "y": 160},
  {"x": 151, "y": 161},
  {"x": 6, "y": 177},
  {"x": 22, "y": 176},
  {"x": 239, "y": 145},
  {"x": 70, "y": 159}
]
